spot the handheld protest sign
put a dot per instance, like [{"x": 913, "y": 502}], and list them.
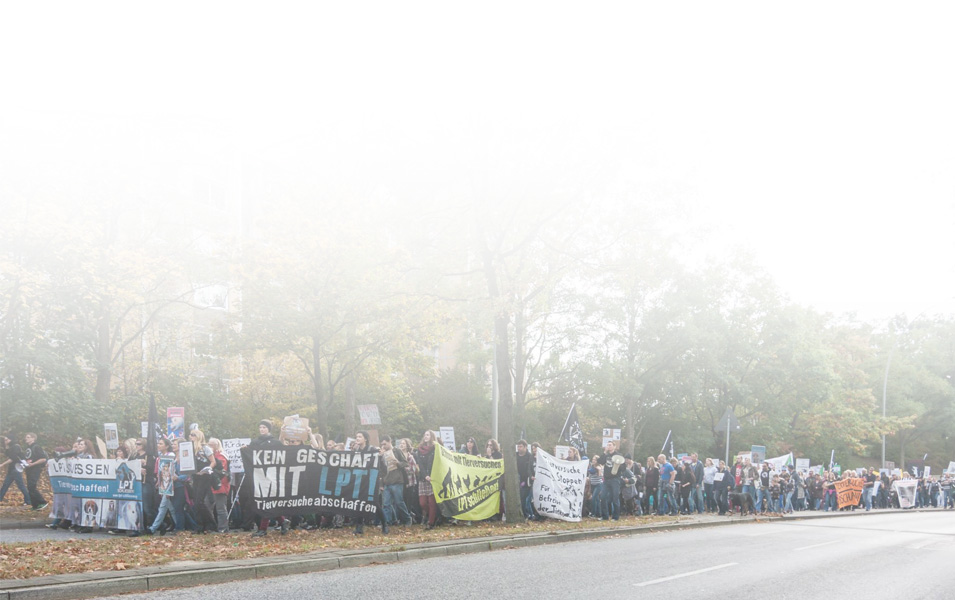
[{"x": 295, "y": 429}]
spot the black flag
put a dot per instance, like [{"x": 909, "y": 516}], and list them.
[
  {"x": 151, "y": 450},
  {"x": 572, "y": 433}
]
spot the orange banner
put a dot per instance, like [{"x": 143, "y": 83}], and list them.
[{"x": 849, "y": 491}]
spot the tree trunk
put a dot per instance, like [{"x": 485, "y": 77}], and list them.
[
  {"x": 631, "y": 429},
  {"x": 520, "y": 366},
  {"x": 350, "y": 408},
  {"x": 321, "y": 406},
  {"x": 511, "y": 482},
  {"x": 512, "y": 490},
  {"x": 103, "y": 358}
]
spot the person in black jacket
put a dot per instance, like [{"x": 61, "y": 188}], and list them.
[
  {"x": 14, "y": 463},
  {"x": 362, "y": 443},
  {"x": 525, "y": 474},
  {"x": 723, "y": 484},
  {"x": 36, "y": 464},
  {"x": 265, "y": 441}
]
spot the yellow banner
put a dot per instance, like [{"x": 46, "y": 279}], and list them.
[{"x": 466, "y": 487}]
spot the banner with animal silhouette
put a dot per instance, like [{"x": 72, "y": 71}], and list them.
[
  {"x": 466, "y": 487},
  {"x": 297, "y": 480},
  {"x": 94, "y": 492},
  {"x": 559, "y": 487}
]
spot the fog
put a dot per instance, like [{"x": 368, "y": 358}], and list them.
[{"x": 818, "y": 138}]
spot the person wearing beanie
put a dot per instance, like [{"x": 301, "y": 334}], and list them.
[{"x": 263, "y": 442}]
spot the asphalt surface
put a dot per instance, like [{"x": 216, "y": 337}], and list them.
[{"x": 890, "y": 555}]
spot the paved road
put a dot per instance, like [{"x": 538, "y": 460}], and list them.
[{"x": 898, "y": 555}]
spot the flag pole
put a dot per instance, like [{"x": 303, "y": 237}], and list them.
[{"x": 566, "y": 423}]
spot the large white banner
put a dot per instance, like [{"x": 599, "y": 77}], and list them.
[
  {"x": 905, "y": 488},
  {"x": 559, "y": 487}
]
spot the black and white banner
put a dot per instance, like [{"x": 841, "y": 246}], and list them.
[
  {"x": 905, "y": 488},
  {"x": 298, "y": 480},
  {"x": 559, "y": 487}
]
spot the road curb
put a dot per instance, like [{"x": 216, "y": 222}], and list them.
[{"x": 88, "y": 585}]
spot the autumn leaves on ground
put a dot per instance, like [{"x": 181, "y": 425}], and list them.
[{"x": 73, "y": 553}]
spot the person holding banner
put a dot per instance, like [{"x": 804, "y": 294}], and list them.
[
  {"x": 362, "y": 443},
  {"x": 166, "y": 471},
  {"x": 220, "y": 485},
  {"x": 265, "y": 441},
  {"x": 424, "y": 456},
  {"x": 395, "y": 510}
]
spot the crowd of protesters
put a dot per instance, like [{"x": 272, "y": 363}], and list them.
[
  {"x": 668, "y": 486},
  {"x": 211, "y": 499}
]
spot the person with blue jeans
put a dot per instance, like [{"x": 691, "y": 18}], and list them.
[
  {"x": 749, "y": 479},
  {"x": 394, "y": 493},
  {"x": 613, "y": 464},
  {"x": 696, "y": 493},
  {"x": 596, "y": 474},
  {"x": 868, "y": 488},
  {"x": 666, "y": 500},
  {"x": 763, "y": 499},
  {"x": 525, "y": 474},
  {"x": 166, "y": 474}
]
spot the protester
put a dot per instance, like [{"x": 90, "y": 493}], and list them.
[
  {"x": 265, "y": 441},
  {"x": 493, "y": 450},
  {"x": 424, "y": 456},
  {"x": 166, "y": 472},
  {"x": 666, "y": 496},
  {"x": 410, "y": 490},
  {"x": 525, "y": 471},
  {"x": 396, "y": 512},
  {"x": 15, "y": 464},
  {"x": 612, "y": 462},
  {"x": 36, "y": 458}
]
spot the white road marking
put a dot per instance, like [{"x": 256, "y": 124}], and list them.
[
  {"x": 816, "y": 545},
  {"x": 769, "y": 532},
  {"x": 672, "y": 577}
]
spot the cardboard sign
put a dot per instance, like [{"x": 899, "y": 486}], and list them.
[
  {"x": 849, "y": 491},
  {"x": 295, "y": 429},
  {"x": 610, "y": 435},
  {"x": 758, "y": 454},
  {"x": 802, "y": 464},
  {"x": 561, "y": 452}
]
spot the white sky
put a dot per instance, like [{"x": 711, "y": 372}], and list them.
[{"x": 819, "y": 135}]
